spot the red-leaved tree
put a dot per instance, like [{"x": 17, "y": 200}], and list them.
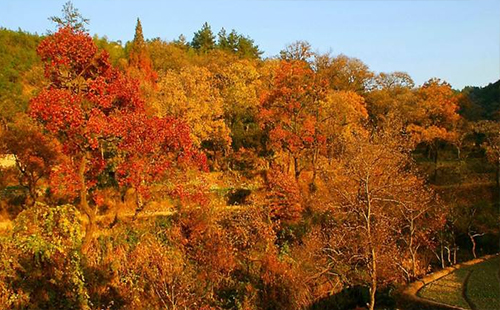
[
  {"x": 290, "y": 111},
  {"x": 97, "y": 114},
  {"x": 153, "y": 149}
]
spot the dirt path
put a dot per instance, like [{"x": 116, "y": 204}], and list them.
[
  {"x": 498, "y": 276},
  {"x": 411, "y": 300},
  {"x": 464, "y": 291}
]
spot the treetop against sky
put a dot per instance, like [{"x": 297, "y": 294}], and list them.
[{"x": 457, "y": 41}]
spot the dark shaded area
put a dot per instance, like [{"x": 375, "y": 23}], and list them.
[
  {"x": 103, "y": 294},
  {"x": 238, "y": 196},
  {"x": 481, "y": 103},
  {"x": 356, "y": 297},
  {"x": 406, "y": 304},
  {"x": 346, "y": 299}
]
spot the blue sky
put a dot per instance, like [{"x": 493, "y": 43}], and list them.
[{"x": 458, "y": 41}]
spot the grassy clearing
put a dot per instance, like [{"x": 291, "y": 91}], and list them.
[
  {"x": 447, "y": 290},
  {"x": 482, "y": 287}
]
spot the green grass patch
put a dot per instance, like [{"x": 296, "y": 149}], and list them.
[
  {"x": 447, "y": 290},
  {"x": 483, "y": 287}
]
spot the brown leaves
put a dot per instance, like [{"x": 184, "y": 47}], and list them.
[
  {"x": 283, "y": 197},
  {"x": 35, "y": 153},
  {"x": 376, "y": 197}
]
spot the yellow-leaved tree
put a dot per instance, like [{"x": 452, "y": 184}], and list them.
[
  {"x": 191, "y": 96},
  {"x": 239, "y": 84},
  {"x": 341, "y": 113},
  {"x": 434, "y": 117}
]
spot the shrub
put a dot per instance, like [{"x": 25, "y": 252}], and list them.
[{"x": 48, "y": 241}]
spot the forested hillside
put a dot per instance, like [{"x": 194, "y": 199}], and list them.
[
  {"x": 482, "y": 103},
  {"x": 158, "y": 174}
]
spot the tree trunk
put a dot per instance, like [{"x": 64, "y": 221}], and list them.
[
  {"x": 413, "y": 252},
  {"x": 472, "y": 238},
  {"x": 373, "y": 254},
  {"x": 413, "y": 265},
  {"x": 84, "y": 205},
  {"x": 498, "y": 180},
  {"x": 312, "y": 186},
  {"x": 30, "y": 185},
  {"x": 373, "y": 288},
  {"x": 215, "y": 162},
  {"x": 139, "y": 206},
  {"x": 442, "y": 255},
  {"x": 32, "y": 189},
  {"x": 435, "y": 164},
  {"x": 448, "y": 252},
  {"x": 296, "y": 168}
]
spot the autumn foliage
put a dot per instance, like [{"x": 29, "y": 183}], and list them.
[
  {"x": 98, "y": 115},
  {"x": 289, "y": 112},
  {"x": 200, "y": 175}
]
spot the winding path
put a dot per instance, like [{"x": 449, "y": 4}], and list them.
[
  {"x": 464, "y": 291},
  {"x": 476, "y": 288}
]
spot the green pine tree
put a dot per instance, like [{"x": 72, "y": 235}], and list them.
[
  {"x": 138, "y": 43},
  {"x": 204, "y": 39},
  {"x": 70, "y": 17}
]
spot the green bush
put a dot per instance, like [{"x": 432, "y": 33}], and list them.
[{"x": 47, "y": 241}]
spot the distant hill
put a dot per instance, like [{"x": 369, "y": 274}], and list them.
[
  {"x": 482, "y": 102},
  {"x": 20, "y": 70}
]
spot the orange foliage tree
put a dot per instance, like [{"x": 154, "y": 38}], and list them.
[
  {"x": 341, "y": 114},
  {"x": 35, "y": 153},
  {"x": 289, "y": 112},
  {"x": 373, "y": 193},
  {"x": 389, "y": 101},
  {"x": 344, "y": 73},
  {"x": 282, "y": 197},
  {"x": 140, "y": 64},
  {"x": 434, "y": 116}
]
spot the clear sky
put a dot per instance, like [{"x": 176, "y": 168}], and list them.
[{"x": 458, "y": 41}]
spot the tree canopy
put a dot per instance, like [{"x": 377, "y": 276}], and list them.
[{"x": 176, "y": 174}]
